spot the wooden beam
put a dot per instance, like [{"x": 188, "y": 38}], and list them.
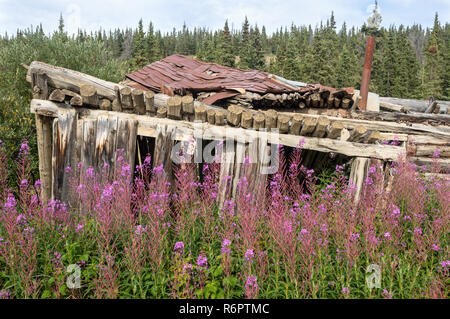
[{"x": 147, "y": 125}]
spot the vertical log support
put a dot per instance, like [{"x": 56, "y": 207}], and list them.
[
  {"x": 44, "y": 138},
  {"x": 370, "y": 45},
  {"x": 358, "y": 174}
]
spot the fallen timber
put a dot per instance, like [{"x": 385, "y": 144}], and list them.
[{"x": 90, "y": 119}]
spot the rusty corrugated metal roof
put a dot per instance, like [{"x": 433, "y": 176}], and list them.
[{"x": 179, "y": 73}]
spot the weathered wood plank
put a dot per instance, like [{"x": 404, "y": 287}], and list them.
[
  {"x": 64, "y": 129},
  {"x": 147, "y": 125}
]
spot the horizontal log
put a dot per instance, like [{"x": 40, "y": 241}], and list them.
[
  {"x": 397, "y": 117},
  {"x": 416, "y": 105},
  {"x": 428, "y": 161},
  {"x": 429, "y": 150},
  {"x": 386, "y": 106},
  {"x": 147, "y": 127}
]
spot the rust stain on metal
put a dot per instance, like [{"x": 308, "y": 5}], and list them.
[
  {"x": 370, "y": 45},
  {"x": 179, "y": 74}
]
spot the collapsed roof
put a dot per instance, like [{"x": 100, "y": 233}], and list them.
[{"x": 179, "y": 74}]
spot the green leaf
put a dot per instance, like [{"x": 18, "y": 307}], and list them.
[{"x": 46, "y": 294}]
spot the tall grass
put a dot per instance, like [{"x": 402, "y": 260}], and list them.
[{"x": 149, "y": 239}]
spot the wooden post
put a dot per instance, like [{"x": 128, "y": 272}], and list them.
[
  {"x": 358, "y": 173},
  {"x": 334, "y": 130},
  {"x": 44, "y": 126},
  {"x": 163, "y": 149},
  {"x": 188, "y": 104},
  {"x": 162, "y": 112},
  {"x": 149, "y": 97},
  {"x": 174, "y": 108},
  {"x": 220, "y": 117},
  {"x": 283, "y": 124},
  {"x": 234, "y": 114},
  {"x": 309, "y": 125},
  {"x": 138, "y": 101},
  {"x": 271, "y": 119},
  {"x": 126, "y": 99},
  {"x": 116, "y": 104},
  {"x": 200, "y": 113},
  {"x": 259, "y": 121},
  {"x": 247, "y": 119},
  {"x": 321, "y": 128},
  {"x": 39, "y": 82},
  {"x": 296, "y": 125},
  {"x": 211, "y": 116}
]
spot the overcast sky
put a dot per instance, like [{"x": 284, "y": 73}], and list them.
[{"x": 167, "y": 14}]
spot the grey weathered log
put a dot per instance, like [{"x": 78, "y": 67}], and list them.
[
  {"x": 346, "y": 102},
  {"x": 386, "y": 106},
  {"x": 321, "y": 127},
  {"x": 161, "y": 112},
  {"x": 259, "y": 121},
  {"x": 337, "y": 102},
  {"x": 69, "y": 93},
  {"x": 76, "y": 100},
  {"x": 308, "y": 126},
  {"x": 138, "y": 101},
  {"x": 271, "y": 119},
  {"x": 234, "y": 114},
  {"x": 220, "y": 117},
  {"x": 149, "y": 98},
  {"x": 430, "y": 150},
  {"x": 334, "y": 130},
  {"x": 315, "y": 99},
  {"x": 174, "y": 108},
  {"x": 211, "y": 116},
  {"x": 39, "y": 83},
  {"x": 200, "y": 113},
  {"x": 188, "y": 104},
  {"x": 283, "y": 123},
  {"x": 57, "y": 96},
  {"x": 89, "y": 95},
  {"x": 116, "y": 104},
  {"x": 44, "y": 140},
  {"x": 358, "y": 133},
  {"x": 126, "y": 99},
  {"x": 247, "y": 119},
  {"x": 414, "y": 105},
  {"x": 296, "y": 125},
  {"x": 358, "y": 173},
  {"x": 105, "y": 104}
]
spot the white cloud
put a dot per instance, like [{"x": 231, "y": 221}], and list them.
[
  {"x": 167, "y": 14},
  {"x": 73, "y": 17}
]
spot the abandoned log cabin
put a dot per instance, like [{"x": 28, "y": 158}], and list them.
[{"x": 83, "y": 119}]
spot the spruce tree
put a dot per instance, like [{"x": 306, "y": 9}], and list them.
[
  {"x": 224, "y": 53},
  {"x": 432, "y": 78},
  {"x": 138, "y": 47}
]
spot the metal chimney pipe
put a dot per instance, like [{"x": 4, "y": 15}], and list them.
[{"x": 364, "y": 92}]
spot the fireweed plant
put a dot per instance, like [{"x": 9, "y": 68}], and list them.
[{"x": 282, "y": 237}]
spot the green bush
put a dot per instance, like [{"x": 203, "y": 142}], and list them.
[{"x": 87, "y": 56}]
